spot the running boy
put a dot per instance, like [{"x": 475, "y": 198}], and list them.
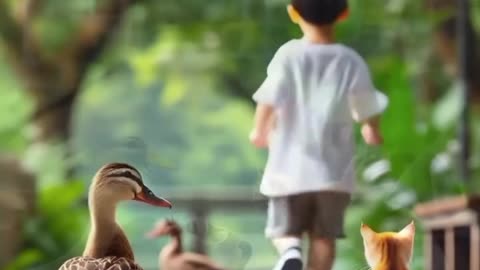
[{"x": 315, "y": 89}]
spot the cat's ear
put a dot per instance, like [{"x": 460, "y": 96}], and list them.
[
  {"x": 408, "y": 231},
  {"x": 366, "y": 231}
]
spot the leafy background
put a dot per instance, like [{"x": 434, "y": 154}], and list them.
[{"x": 171, "y": 95}]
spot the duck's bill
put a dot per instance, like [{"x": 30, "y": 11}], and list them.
[
  {"x": 155, "y": 232},
  {"x": 147, "y": 196}
]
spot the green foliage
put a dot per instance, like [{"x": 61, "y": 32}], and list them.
[
  {"x": 58, "y": 229},
  {"x": 14, "y": 112},
  {"x": 179, "y": 77}
]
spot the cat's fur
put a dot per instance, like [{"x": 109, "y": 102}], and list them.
[{"x": 388, "y": 250}]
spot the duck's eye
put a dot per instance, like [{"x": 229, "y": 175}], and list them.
[{"x": 130, "y": 175}]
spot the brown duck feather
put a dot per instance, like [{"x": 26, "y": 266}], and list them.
[
  {"x": 172, "y": 260},
  {"x": 198, "y": 262},
  {"x": 119, "y": 256},
  {"x": 105, "y": 263}
]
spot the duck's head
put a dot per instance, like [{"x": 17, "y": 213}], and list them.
[
  {"x": 117, "y": 182},
  {"x": 165, "y": 227}
]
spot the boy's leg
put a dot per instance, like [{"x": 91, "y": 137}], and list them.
[
  {"x": 287, "y": 242},
  {"x": 326, "y": 227},
  {"x": 321, "y": 255},
  {"x": 289, "y": 249},
  {"x": 285, "y": 225}
]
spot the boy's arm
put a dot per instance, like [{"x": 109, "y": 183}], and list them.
[
  {"x": 270, "y": 96},
  {"x": 371, "y": 131},
  {"x": 264, "y": 116},
  {"x": 367, "y": 103}
]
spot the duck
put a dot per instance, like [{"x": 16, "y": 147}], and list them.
[
  {"x": 107, "y": 246},
  {"x": 172, "y": 256}
]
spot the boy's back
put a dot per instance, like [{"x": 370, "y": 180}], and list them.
[
  {"x": 314, "y": 91},
  {"x": 317, "y": 90}
]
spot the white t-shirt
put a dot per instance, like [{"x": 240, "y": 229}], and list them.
[{"x": 318, "y": 91}]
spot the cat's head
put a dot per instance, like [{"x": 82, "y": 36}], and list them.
[{"x": 388, "y": 247}]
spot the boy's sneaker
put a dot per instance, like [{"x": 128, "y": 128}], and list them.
[{"x": 290, "y": 260}]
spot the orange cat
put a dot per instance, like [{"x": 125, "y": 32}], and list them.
[{"x": 388, "y": 250}]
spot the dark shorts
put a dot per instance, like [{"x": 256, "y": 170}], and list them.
[{"x": 318, "y": 213}]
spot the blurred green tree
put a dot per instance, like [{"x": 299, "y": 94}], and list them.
[
  {"x": 51, "y": 71},
  {"x": 195, "y": 65}
]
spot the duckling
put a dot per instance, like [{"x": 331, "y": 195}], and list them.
[{"x": 172, "y": 256}]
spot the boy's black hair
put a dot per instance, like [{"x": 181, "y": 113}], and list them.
[{"x": 320, "y": 12}]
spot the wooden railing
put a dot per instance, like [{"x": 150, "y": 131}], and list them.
[
  {"x": 201, "y": 203},
  {"x": 452, "y": 233}
]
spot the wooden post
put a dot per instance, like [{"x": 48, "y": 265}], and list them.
[
  {"x": 474, "y": 251},
  {"x": 466, "y": 54},
  {"x": 200, "y": 217},
  {"x": 428, "y": 251},
  {"x": 452, "y": 233},
  {"x": 449, "y": 249}
]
